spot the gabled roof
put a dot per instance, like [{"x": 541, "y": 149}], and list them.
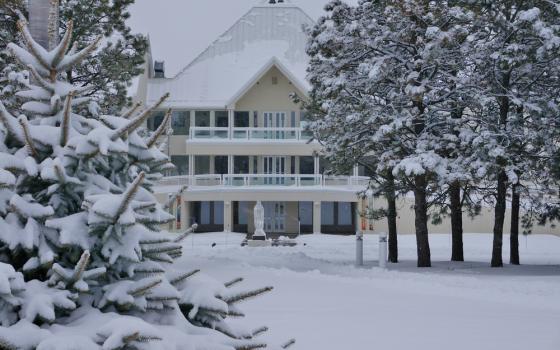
[{"x": 266, "y": 36}]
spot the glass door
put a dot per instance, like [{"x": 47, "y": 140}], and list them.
[
  {"x": 274, "y": 217},
  {"x": 274, "y": 165},
  {"x": 275, "y": 120}
]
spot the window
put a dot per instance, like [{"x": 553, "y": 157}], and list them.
[
  {"x": 202, "y": 165},
  {"x": 293, "y": 119},
  {"x": 181, "y": 165},
  {"x": 221, "y": 165},
  {"x": 327, "y": 213},
  {"x": 306, "y": 165},
  {"x": 241, "y": 165},
  {"x": 344, "y": 214},
  {"x": 202, "y": 118},
  {"x": 205, "y": 213},
  {"x": 155, "y": 120},
  {"x": 180, "y": 122},
  {"x": 306, "y": 213},
  {"x": 218, "y": 213},
  {"x": 222, "y": 120},
  {"x": 241, "y": 119}
]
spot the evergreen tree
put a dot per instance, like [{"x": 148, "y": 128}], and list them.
[
  {"x": 517, "y": 53},
  {"x": 384, "y": 72},
  {"x": 81, "y": 250}
]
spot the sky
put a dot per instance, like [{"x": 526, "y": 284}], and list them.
[{"x": 180, "y": 30}]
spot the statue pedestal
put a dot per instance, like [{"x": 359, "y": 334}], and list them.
[{"x": 258, "y": 243}]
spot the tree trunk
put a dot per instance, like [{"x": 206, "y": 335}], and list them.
[
  {"x": 456, "y": 222},
  {"x": 514, "y": 237},
  {"x": 499, "y": 218},
  {"x": 421, "y": 221},
  {"x": 392, "y": 219}
]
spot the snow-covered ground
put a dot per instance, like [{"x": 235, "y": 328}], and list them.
[{"x": 326, "y": 303}]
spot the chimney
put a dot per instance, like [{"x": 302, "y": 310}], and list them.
[
  {"x": 43, "y": 22},
  {"x": 159, "y": 69}
]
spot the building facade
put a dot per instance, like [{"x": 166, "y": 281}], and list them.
[{"x": 239, "y": 137}]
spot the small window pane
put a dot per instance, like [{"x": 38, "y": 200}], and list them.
[
  {"x": 306, "y": 165},
  {"x": 204, "y": 213},
  {"x": 327, "y": 213},
  {"x": 306, "y": 213},
  {"x": 202, "y": 165},
  {"x": 221, "y": 119},
  {"x": 221, "y": 164},
  {"x": 180, "y": 122},
  {"x": 202, "y": 118},
  {"x": 218, "y": 213},
  {"x": 241, "y": 165},
  {"x": 155, "y": 121},
  {"x": 345, "y": 213},
  {"x": 241, "y": 120}
]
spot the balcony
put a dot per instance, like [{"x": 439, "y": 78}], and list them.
[
  {"x": 248, "y": 134},
  {"x": 260, "y": 180}
]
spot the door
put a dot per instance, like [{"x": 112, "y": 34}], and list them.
[
  {"x": 274, "y": 120},
  {"x": 274, "y": 217},
  {"x": 274, "y": 165}
]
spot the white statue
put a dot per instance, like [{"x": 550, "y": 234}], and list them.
[{"x": 259, "y": 222}]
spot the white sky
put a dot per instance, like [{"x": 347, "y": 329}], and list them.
[{"x": 179, "y": 30}]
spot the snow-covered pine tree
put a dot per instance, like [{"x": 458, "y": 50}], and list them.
[
  {"x": 383, "y": 73},
  {"x": 81, "y": 250},
  {"x": 517, "y": 50}
]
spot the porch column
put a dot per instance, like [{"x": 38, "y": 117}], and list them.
[
  {"x": 191, "y": 165},
  {"x": 231, "y": 122},
  {"x": 230, "y": 164},
  {"x": 356, "y": 170},
  {"x": 212, "y": 161},
  {"x": 316, "y": 165},
  {"x": 228, "y": 210},
  {"x": 185, "y": 215},
  {"x": 316, "y": 217}
]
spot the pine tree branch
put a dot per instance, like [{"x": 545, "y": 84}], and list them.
[
  {"x": 160, "y": 130},
  {"x": 260, "y": 331},
  {"x": 9, "y": 122},
  {"x": 136, "y": 122},
  {"x": 233, "y": 282},
  {"x": 62, "y": 48},
  {"x": 142, "y": 290},
  {"x": 34, "y": 48},
  {"x": 28, "y": 140},
  {"x": 80, "y": 267},
  {"x": 247, "y": 295},
  {"x": 40, "y": 80},
  {"x": 183, "y": 277},
  {"x": 132, "y": 110},
  {"x": 64, "y": 130},
  {"x": 129, "y": 194},
  {"x": 76, "y": 58},
  {"x": 185, "y": 234}
]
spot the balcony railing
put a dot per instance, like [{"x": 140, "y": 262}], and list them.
[
  {"x": 273, "y": 134},
  {"x": 252, "y": 180}
]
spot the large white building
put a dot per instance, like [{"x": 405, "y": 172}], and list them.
[{"x": 238, "y": 136}]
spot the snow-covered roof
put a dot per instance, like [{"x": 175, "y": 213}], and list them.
[{"x": 268, "y": 35}]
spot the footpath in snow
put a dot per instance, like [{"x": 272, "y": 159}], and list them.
[{"x": 326, "y": 303}]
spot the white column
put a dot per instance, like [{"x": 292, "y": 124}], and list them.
[
  {"x": 230, "y": 164},
  {"x": 231, "y": 121},
  {"x": 316, "y": 165},
  {"x": 212, "y": 168},
  {"x": 316, "y": 217},
  {"x": 185, "y": 214},
  {"x": 228, "y": 210},
  {"x": 356, "y": 170},
  {"x": 191, "y": 165}
]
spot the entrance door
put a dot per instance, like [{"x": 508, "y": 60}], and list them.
[
  {"x": 275, "y": 120},
  {"x": 274, "y": 217},
  {"x": 274, "y": 165}
]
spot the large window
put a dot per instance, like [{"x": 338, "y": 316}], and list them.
[
  {"x": 327, "y": 213},
  {"x": 221, "y": 165},
  {"x": 181, "y": 165},
  {"x": 155, "y": 120},
  {"x": 202, "y": 165},
  {"x": 180, "y": 122},
  {"x": 202, "y": 118},
  {"x": 306, "y": 213},
  {"x": 306, "y": 165},
  {"x": 344, "y": 213},
  {"x": 241, "y": 165},
  {"x": 221, "y": 119},
  {"x": 241, "y": 119}
]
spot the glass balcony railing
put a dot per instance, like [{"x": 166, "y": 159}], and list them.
[
  {"x": 254, "y": 180},
  {"x": 273, "y": 134}
]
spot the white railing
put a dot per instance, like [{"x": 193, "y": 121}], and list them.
[
  {"x": 251, "y": 180},
  {"x": 221, "y": 133}
]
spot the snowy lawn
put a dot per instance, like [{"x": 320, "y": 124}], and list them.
[{"x": 326, "y": 303}]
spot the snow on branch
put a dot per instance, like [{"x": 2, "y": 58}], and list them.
[
  {"x": 136, "y": 122},
  {"x": 160, "y": 130}
]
